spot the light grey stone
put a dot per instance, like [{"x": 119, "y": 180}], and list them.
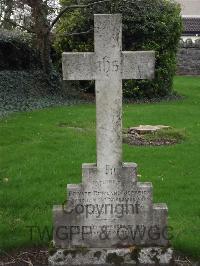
[
  {"x": 108, "y": 65},
  {"x": 84, "y": 64},
  {"x": 110, "y": 210},
  {"x": 127, "y": 211},
  {"x": 156, "y": 255},
  {"x": 105, "y": 257},
  {"x": 143, "y": 129},
  {"x": 143, "y": 66}
]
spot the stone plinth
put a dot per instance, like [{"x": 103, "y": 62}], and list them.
[{"x": 96, "y": 217}]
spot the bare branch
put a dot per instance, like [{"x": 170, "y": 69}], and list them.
[{"x": 74, "y": 7}]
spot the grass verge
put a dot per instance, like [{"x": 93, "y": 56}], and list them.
[{"x": 38, "y": 157}]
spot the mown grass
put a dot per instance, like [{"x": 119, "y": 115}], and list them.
[{"x": 42, "y": 151}]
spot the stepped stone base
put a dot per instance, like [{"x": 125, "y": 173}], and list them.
[
  {"x": 109, "y": 209},
  {"x": 106, "y": 257}
]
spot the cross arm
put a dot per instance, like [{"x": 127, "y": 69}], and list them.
[
  {"x": 78, "y": 66},
  {"x": 138, "y": 65}
]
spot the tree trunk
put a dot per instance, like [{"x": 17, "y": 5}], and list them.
[
  {"x": 44, "y": 47},
  {"x": 42, "y": 34}
]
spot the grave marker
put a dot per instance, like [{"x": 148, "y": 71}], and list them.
[{"x": 110, "y": 211}]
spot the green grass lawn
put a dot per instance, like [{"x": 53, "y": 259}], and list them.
[{"x": 38, "y": 157}]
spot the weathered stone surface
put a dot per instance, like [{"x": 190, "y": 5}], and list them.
[
  {"x": 108, "y": 65},
  {"x": 188, "y": 58},
  {"x": 143, "y": 66},
  {"x": 188, "y": 61},
  {"x": 105, "y": 257},
  {"x": 119, "y": 216},
  {"x": 110, "y": 210},
  {"x": 145, "y": 129}
]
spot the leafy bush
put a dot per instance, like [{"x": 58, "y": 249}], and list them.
[
  {"x": 147, "y": 25},
  {"x": 16, "y": 51},
  {"x": 23, "y": 85}
]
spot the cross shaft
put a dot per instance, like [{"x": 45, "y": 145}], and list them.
[{"x": 108, "y": 65}]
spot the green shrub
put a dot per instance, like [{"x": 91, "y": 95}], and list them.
[
  {"x": 147, "y": 25},
  {"x": 16, "y": 51},
  {"x": 29, "y": 90}
]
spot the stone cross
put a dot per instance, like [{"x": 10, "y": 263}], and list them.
[
  {"x": 108, "y": 65},
  {"x": 110, "y": 210}
]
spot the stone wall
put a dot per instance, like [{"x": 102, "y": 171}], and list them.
[{"x": 188, "y": 58}]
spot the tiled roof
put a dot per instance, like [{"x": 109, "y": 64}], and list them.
[{"x": 191, "y": 25}]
